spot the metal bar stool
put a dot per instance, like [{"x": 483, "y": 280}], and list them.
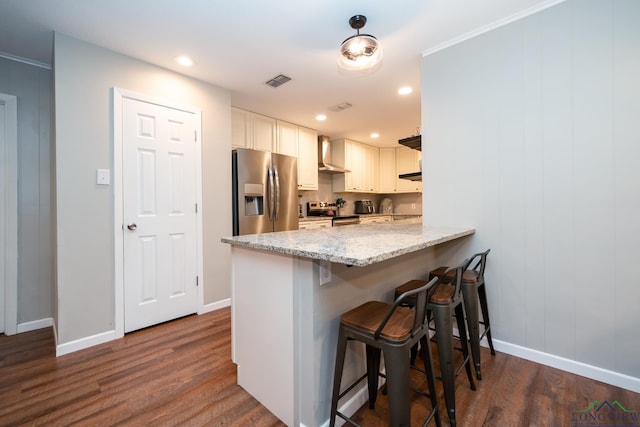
[
  {"x": 473, "y": 290},
  {"x": 392, "y": 330},
  {"x": 445, "y": 302}
]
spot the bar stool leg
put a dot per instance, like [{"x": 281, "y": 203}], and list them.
[
  {"x": 373, "y": 369},
  {"x": 442, "y": 317},
  {"x": 462, "y": 329},
  {"x": 482, "y": 294},
  {"x": 427, "y": 361},
  {"x": 397, "y": 366},
  {"x": 470, "y": 298},
  {"x": 337, "y": 374}
]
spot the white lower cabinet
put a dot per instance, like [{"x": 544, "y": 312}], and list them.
[
  {"x": 314, "y": 225},
  {"x": 378, "y": 219}
]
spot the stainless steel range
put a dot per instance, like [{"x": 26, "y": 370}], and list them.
[{"x": 329, "y": 209}]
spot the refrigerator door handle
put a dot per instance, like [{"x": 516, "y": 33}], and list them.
[
  {"x": 271, "y": 199},
  {"x": 277, "y": 188}
]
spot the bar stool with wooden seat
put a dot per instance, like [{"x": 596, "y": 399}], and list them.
[
  {"x": 392, "y": 330},
  {"x": 446, "y": 302},
  {"x": 473, "y": 291}
]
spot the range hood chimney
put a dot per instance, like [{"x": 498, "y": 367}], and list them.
[{"x": 324, "y": 156}]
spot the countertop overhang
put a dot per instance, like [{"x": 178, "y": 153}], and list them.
[{"x": 352, "y": 245}]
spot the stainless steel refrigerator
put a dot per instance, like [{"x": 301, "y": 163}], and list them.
[{"x": 265, "y": 192}]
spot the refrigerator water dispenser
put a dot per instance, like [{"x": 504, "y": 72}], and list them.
[{"x": 253, "y": 199}]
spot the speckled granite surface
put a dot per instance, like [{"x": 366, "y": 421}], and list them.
[{"x": 352, "y": 244}]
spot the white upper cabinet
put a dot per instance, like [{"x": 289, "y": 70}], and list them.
[
  {"x": 396, "y": 161},
  {"x": 250, "y": 130},
  {"x": 361, "y": 160},
  {"x": 387, "y": 171},
  {"x": 407, "y": 161},
  {"x": 307, "y": 159},
  {"x": 287, "y": 141},
  {"x": 264, "y": 132}
]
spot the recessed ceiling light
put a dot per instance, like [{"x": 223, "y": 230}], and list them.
[
  {"x": 375, "y": 135},
  {"x": 405, "y": 90},
  {"x": 321, "y": 117},
  {"x": 185, "y": 61}
]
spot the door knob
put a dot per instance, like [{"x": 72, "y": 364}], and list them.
[{"x": 132, "y": 226}]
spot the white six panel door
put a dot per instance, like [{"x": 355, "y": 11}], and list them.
[{"x": 159, "y": 203}]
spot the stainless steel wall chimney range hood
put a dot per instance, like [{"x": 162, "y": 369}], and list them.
[{"x": 324, "y": 157}]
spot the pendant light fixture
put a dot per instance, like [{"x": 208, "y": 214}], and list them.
[{"x": 361, "y": 51}]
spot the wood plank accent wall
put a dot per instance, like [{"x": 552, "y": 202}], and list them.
[
  {"x": 33, "y": 87},
  {"x": 531, "y": 133}
]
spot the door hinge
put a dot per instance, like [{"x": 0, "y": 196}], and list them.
[
  {"x": 197, "y": 281},
  {"x": 196, "y": 208},
  {"x": 195, "y": 136}
]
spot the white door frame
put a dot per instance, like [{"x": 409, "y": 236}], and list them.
[
  {"x": 117, "y": 96},
  {"x": 10, "y": 214}
]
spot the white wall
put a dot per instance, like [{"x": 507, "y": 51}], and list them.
[
  {"x": 84, "y": 76},
  {"x": 33, "y": 88},
  {"x": 532, "y": 134}
]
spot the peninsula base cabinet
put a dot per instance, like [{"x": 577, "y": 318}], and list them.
[{"x": 278, "y": 302}]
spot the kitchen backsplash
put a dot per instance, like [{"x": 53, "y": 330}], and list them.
[{"x": 407, "y": 203}]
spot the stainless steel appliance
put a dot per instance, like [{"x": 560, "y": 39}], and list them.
[
  {"x": 324, "y": 157},
  {"x": 364, "y": 207},
  {"x": 265, "y": 192},
  {"x": 328, "y": 209}
]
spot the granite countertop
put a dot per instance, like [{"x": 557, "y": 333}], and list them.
[{"x": 352, "y": 244}]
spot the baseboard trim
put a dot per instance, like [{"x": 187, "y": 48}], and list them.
[
  {"x": 90, "y": 341},
  {"x": 215, "y": 306},
  {"x": 35, "y": 324},
  {"x": 568, "y": 365},
  {"x": 82, "y": 343},
  {"x": 352, "y": 405}
]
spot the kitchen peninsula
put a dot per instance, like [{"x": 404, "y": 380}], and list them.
[{"x": 289, "y": 290}]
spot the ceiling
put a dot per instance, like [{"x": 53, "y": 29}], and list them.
[{"x": 241, "y": 44}]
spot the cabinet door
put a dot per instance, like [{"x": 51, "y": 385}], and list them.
[
  {"x": 239, "y": 128},
  {"x": 307, "y": 159},
  {"x": 287, "y": 142},
  {"x": 354, "y": 162},
  {"x": 370, "y": 169},
  {"x": 387, "y": 175},
  {"x": 264, "y": 132},
  {"x": 407, "y": 161}
]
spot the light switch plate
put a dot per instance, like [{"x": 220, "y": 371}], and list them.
[{"x": 103, "y": 177}]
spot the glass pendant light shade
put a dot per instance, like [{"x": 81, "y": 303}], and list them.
[{"x": 361, "y": 51}]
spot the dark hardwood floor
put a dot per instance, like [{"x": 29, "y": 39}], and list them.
[{"x": 180, "y": 374}]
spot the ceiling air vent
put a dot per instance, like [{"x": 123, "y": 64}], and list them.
[
  {"x": 340, "y": 107},
  {"x": 278, "y": 80}
]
